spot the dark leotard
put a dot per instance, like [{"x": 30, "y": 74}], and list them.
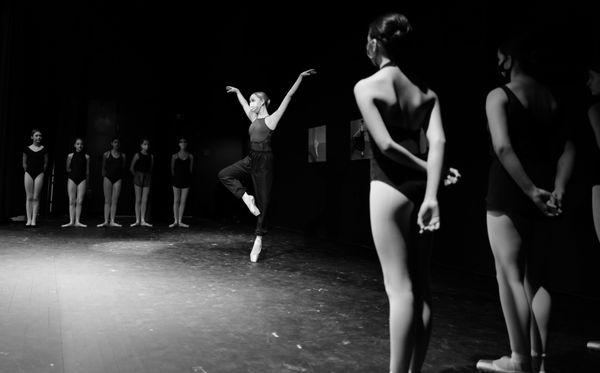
[
  {"x": 406, "y": 180},
  {"x": 35, "y": 161},
  {"x": 78, "y": 168},
  {"x": 538, "y": 144},
  {"x": 182, "y": 178},
  {"x": 114, "y": 168},
  {"x": 143, "y": 163}
]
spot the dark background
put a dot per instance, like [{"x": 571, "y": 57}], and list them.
[{"x": 135, "y": 68}]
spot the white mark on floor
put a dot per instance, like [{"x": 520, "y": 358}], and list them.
[
  {"x": 198, "y": 370},
  {"x": 294, "y": 368},
  {"x": 274, "y": 335}
]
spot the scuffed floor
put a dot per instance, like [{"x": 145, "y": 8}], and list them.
[{"x": 158, "y": 300}]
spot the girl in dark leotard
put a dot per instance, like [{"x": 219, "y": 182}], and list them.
[
  {"x": 182, "y": 164},
  {"x": 397, "y": 110},
  {"x": 593, "y": 84},
  {"x": 78, "y": 170},
  {"x": 259, "y": 163},
  {"x": 35, "y": 162},
  {"x": 113, "y": 166},
  {"x": 532, "y": 163},
  {"x": 141, "y": 169}
]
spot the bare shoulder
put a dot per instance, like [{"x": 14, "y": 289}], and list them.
[
  {"x": 368, "y": 87},
  {"x": 497, "y": 96},
  {"x": 87, "y": 157}
]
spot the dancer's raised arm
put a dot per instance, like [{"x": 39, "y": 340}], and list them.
[
  {"x": 242, "y": 101},
  {"x": 272, "y": 120}
]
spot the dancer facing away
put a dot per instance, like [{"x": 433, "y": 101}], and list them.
[
  {"x": 35, "y": 163},
  {"x": 396, "y": 108},
  {"x": 141, "y": 169},
  {"x": 593, "y": 84},
  {"x": 182, "y": 164},
  {"x": 533, "y": 161},
  {"x": 78, "y": 171},
  {"x": 113, "y": 167},
  {"x": 259, "y": 163}
]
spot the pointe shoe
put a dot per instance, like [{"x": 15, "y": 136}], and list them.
[
  {"x": 255, "y": 253},
  {"x": 593, "y": 346},
  {"x": 503, "y": 365},
  {"x": 173, "y": 225},
  {"x": 105, "y": 224},
  {"x": 113, "y": 224},
  {"x": 80, "y": 225},
  {"x": 182, "y": 225},
  {"x": 67, "y": 225},
  {"x": 135, "y": 224},
  {"x": 249, "y": 201},
  {"x": 144, "y": 224}
]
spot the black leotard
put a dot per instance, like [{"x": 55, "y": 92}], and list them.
[
  {"x": 78, "y": 167},
  {"x": 35, "y": 161},
  {"x": 182, "y": 178},
  {"x": 406, "y": 180},
  {"x": 114, "y": 167},
  {"x": 538, "y": 144},
  {"x": 143, "y": 163}
]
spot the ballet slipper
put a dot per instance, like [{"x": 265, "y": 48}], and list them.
[
  {"x": 114, "y": 224},
  {"x": 145, "y": 224},
  {"x": 504, "y": 365},
  {"x": 174, "y": 224},
  {"x": 256, "y": 249},
  {"x": 183, "y": 225},
  {"x": 134, "y": 224},
  {"x": 70, "y": 224},
  {"x": 105, "y": 224},
  {"x": 80, "y": 225}
]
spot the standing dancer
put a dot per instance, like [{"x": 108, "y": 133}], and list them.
[
  {"x": 396, "y": 109},
  {"x": 259, "y": 163},
  {"x": 182, "y": 164},
  {"x": 78, "y": 171},
  {"x": 113, "y": 166},
  {"x": 35, "y": 163},
  {"x": 532, "y": 157},
  {"x": 141, "y": 169},
  {"x": 593, "y": 84}
]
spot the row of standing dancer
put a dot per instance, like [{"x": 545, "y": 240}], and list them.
[
  {"x": 533, "y": 158},
  {"x": 532, "y": 163},
  {"x": 114, "y": 166}
]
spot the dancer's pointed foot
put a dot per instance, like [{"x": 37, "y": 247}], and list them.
[
  {"x": 105, "y": 224},
  {"x": 504, "y": 365},
  {"x": 146, "y": 224},
  {"x": 69, "y": 224},
  {"x": 114, "y": 224},
  {"x": 249, "y": 201},
  {"x": 173, "y": 225},
  {"x": 135, "y": 224},
  {"x": 28, "y": 224},
  {"x": 183, "y": 225},
  {"x": 256, "y": 249},
  {"x": 80, "y": 225}
]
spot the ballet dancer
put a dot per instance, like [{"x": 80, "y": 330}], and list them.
[
  {"x": 182, "y": 164},
  {"x": 593, "y": 84},
  {"x": 533, "y": 161},
  {"x": 35, "y": 163},
  {"x": 397, "y": 108},
  {"x": 259, "y": 163},
  {"x": 113, "y": 166},
  {"x": 141, "y": 169},
  {"x": 78, "y": 171}
]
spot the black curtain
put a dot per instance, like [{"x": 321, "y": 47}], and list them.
[{"x": 11, "y": 105}]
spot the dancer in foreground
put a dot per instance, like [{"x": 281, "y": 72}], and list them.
[
  {"x": 35, "y": 163},
  {"x": 182, "y": 164},
  {"x": 397, "y": 108},
  {"x": 141, "y": 169},
  {"x": 259, "y": 163},
  {"x": 593, "y": 85},
  {"x": 78, "y": 171},
  {"x": 532, "y": 164},
  {"x": 113, "y": 167}
]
